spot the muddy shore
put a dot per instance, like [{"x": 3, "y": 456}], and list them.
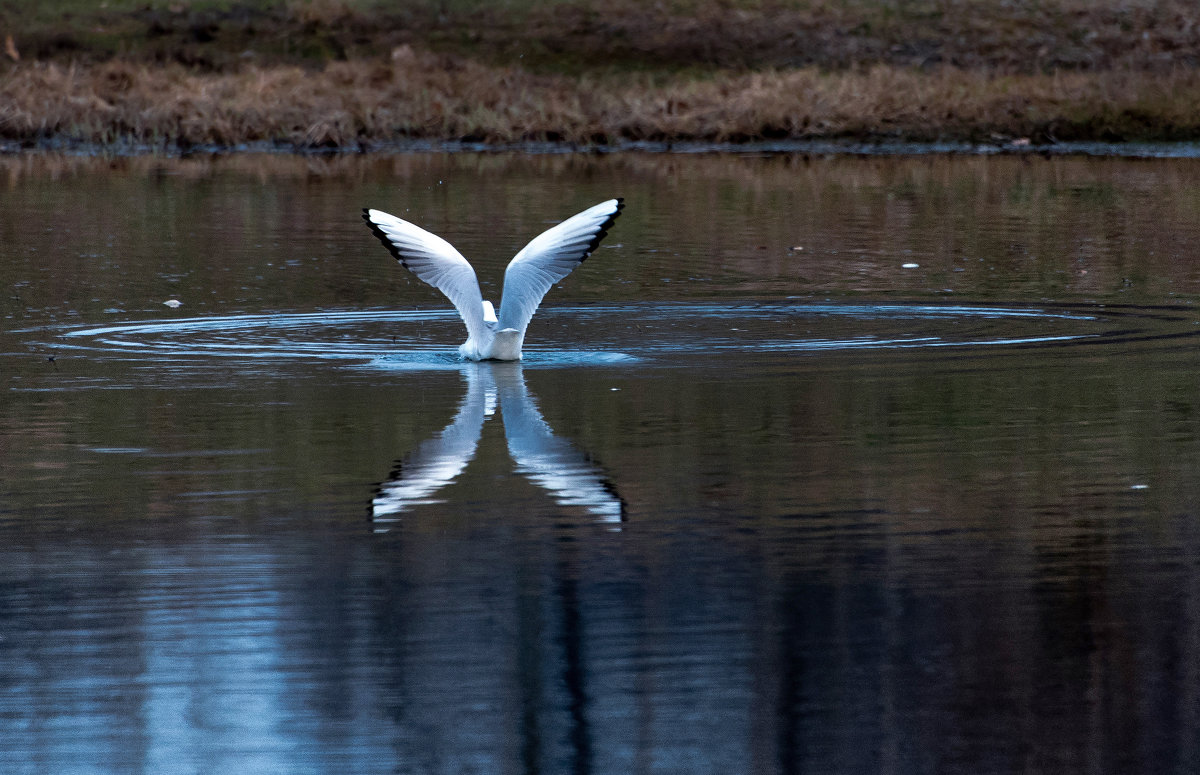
[{"x": 318, "y": 75}]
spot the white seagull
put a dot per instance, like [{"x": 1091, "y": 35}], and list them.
[{"x": 548, "y": 258}]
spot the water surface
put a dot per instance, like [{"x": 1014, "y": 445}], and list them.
[{"x": 818, "y": 464}]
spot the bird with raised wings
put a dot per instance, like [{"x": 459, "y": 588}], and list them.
[{"x": 548, "y": 258}]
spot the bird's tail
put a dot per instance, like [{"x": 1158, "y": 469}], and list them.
[{"x": 507, "y": 345}]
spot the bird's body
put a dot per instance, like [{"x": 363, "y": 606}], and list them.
[{"x": 548, "y": 258}]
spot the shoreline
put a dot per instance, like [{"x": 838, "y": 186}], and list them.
[
  {"x": 347, "y": 75},
  {"x": 418, "y": 97}
]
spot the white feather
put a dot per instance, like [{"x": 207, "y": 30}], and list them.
[{"x": 548, "y": 258}]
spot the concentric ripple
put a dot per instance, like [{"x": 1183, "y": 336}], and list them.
[{"x": 420, "y": 339}]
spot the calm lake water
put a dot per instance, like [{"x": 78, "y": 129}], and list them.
[{"x": 836, "y": 465}]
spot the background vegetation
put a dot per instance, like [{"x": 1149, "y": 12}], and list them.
[{"x": 357, "y": 73}]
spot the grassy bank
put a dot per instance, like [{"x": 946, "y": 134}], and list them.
[{"x": 343, "y": 74}]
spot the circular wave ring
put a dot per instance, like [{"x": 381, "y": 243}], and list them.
[{"x": 612, "y": 333}]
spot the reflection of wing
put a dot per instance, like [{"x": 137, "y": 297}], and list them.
[
  {"x": 439, "y": 460},
  {"x": 550, "y": 462}
]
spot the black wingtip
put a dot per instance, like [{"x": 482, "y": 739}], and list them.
[
  {"x": 602, "y": 232},
  {"x": 387, "y": 243}
]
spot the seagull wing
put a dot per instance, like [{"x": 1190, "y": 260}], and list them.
[
  {"x": 550, "y": 257},
  {"x": 434, "y": 261}
]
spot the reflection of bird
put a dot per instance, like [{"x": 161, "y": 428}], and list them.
[
  {"x": 550, "y": 462},
  {"x": 548, "y": 258}
]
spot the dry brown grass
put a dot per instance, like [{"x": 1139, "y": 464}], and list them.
[
  {"x": 420, "y": 95},
  {"x": 330, "y": 73}
]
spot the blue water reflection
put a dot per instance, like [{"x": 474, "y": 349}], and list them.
[{"x": 419, "y": 656}]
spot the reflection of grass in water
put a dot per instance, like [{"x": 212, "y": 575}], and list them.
[
  {"x": 338, "y": 73},
  {"x": 961, "y": 226}
]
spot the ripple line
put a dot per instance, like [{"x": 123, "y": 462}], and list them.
[{"x": 399, "y": 339}]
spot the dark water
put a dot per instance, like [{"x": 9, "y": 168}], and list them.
[{"x": 761, "y": 498}]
